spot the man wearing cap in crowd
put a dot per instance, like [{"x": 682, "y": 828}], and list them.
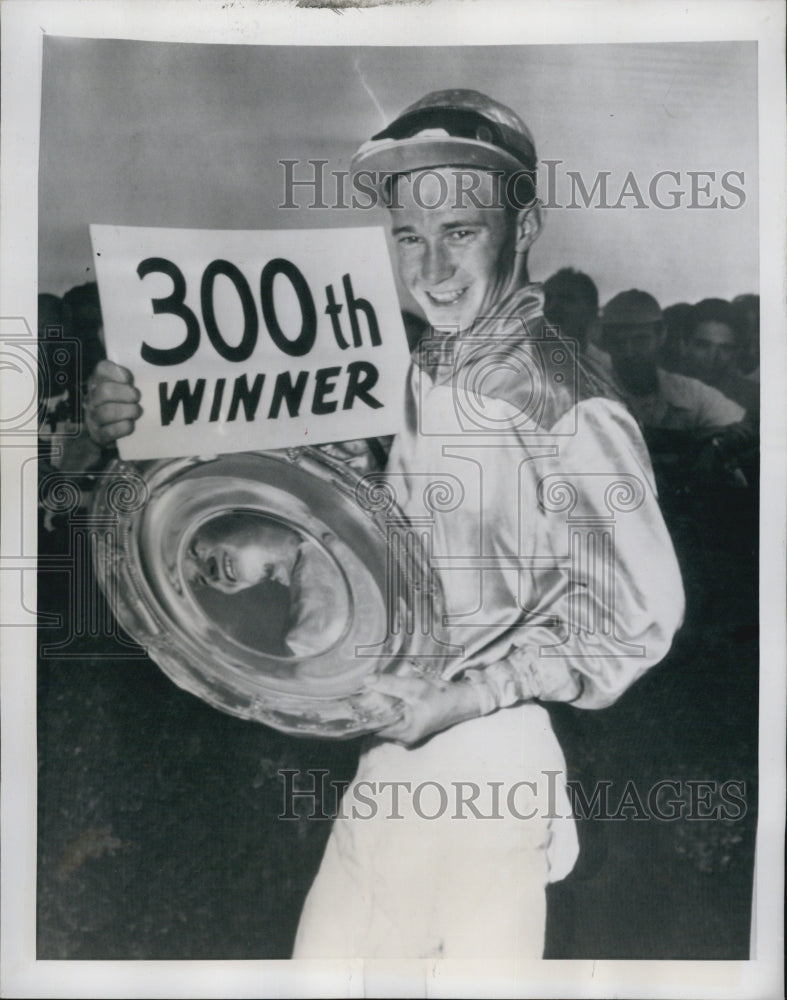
[
  {"x": 571, "y": 305},
  {"x": 633, "y": 333},
  {"x": 535, "y": 448}
]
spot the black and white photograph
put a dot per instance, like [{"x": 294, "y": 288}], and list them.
[{"x": 393, "y": 499}]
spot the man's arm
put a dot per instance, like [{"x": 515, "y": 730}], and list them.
[
  {"x": 618, "y": 606},
  {"x": 614, "y": 610}
]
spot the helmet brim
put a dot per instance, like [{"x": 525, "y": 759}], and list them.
[{"x": 384, "y": 157}]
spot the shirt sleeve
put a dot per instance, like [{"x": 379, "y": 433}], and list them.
[{"x": 610, "y": 599}]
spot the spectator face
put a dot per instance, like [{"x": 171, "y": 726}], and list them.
[
  {"x": 456, "y": 259},
  {"x": 634, "y": 349},
  {"x": 633, "y": 343},
  {"x": 710, "y": 351},
  {"x": 566, "y": 307},
  {"x": 236, "y": 551}
]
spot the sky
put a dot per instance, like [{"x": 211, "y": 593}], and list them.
[{"x": 191, "y": 135}]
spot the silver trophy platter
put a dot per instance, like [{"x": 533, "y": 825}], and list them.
[{"x": 266, "y": 584}]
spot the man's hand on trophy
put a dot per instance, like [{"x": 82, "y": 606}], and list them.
[
  {"x": 430, "y": 703},
  {"x": 111, "y": 403}
]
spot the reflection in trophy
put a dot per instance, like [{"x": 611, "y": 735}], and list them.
[
  {"x": 294, "y": 601},
  {"x": 259, "y": 583}
]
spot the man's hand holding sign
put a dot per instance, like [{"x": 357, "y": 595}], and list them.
[
  {"x": 112, "y": 405},
  {"x": 225, "y": 341}
]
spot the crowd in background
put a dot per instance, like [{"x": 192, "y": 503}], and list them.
[
  {"x": 689, "y": 373},
  {"x": 70, "y": 338}
]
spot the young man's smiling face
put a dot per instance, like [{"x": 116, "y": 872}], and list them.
[{"x": 456, "y": 253}]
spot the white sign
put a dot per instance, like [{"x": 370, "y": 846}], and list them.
[{"x": 243, "y": 340}]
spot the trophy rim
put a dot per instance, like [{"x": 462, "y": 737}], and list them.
[{"x": 142, "y": 593}]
